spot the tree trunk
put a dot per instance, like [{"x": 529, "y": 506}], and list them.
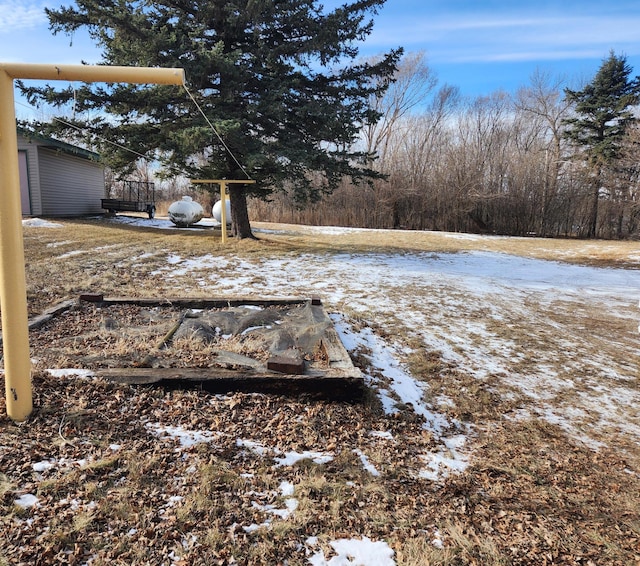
[
  {"x": 241, "y": 228},
  {"x": 593, "y": 215}
]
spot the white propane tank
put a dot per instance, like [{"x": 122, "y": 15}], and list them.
[
  {"x": 185, "y": 212},
  {"x": 216, "y": 212}
]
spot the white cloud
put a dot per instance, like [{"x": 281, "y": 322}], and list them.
[
  {"x": 487, "y": 38},
  {"x": 19, "y": 15},
  {"x": 525, "y": 56}
]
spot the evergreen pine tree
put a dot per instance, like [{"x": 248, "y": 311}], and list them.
[
  {"x": 280, "y": 81},
  {"x": 603, "y": 113}
]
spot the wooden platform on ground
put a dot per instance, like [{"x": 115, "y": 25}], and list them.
[{"x": 335, "y": 377}]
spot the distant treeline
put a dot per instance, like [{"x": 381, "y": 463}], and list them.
[
  {"x": 516, "y": 211},
  {"x": 501, "y": 164}
]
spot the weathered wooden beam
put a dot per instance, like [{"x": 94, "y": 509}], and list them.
[
  {"x": 142, "y": 376},
  {"x": 287, "y": 362},
  {"x": 331, "y": 384},
  {"x": 200, "y": 302},
  {"x": 41, "y": 319}
]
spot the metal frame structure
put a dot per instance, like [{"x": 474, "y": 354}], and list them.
[
  {"x": 136, "y": 196},
  {"x": 13, "y": 294}
]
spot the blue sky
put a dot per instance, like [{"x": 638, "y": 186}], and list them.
[
  {"x": 485, "y": 45},
  {"x": 481, "y": 46}
]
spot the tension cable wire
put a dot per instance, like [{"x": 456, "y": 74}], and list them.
[
  {"x": 116, "y": 144},
  {"x": 184, "y": 84},
  {"x": 79, "y": 129}
]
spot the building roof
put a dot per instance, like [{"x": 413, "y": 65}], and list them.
[{"x": 51, "y": 143}]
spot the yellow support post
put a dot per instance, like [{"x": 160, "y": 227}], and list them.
[
  {"x": 223, "y": 210},
  {"x": 223, "y": 198},
  {"x": 13, "y": 293}
]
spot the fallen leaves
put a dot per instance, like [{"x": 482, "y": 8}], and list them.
[{"x": 153, "y": 476}]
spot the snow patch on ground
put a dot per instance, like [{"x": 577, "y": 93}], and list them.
[
  {"x": 159, "y": 223},
  {"x": 285, "y": 490},
  {"x": 292, "y": 458},
  {"x": 39, "y": 223},
  {"x": 58, "y": 244},
  {"x": 186, "y": 438},
  {"x": 285, "y": 458},
  {"x": 449, "y": 459},
  {"x": 356, "y": 552},
  {"x": 365, "y": 462},
  {"x": 71, "y": 372},
  {"x": 393, "y": 384},
  {"x": 27, "y": 501}
]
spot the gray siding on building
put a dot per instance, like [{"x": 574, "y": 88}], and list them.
[
  {"x": 62, "y": 180},
  {"x": 70, "y": 186}
]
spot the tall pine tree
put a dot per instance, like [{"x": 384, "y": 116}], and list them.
[
  {"x": 603, "y": 113},
  {"x": 280, "y": 80}
]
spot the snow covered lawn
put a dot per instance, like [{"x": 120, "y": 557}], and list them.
[
  {"x": 537, "y": 327},
  {"x": 502, "y": 415}
]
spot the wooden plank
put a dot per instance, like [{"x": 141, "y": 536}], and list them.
[
  {"x": 287, "y": 362},
  {"x": 201, "y": 302},
  {"x": 138, "y": 375},
  {"x": 46, "y": 316},
  {"x": 335, "y": 385},
  {"x": 335, "y": 350},
  {"x": 330, "y": 341},
  {"x": 41, "y": 319}
]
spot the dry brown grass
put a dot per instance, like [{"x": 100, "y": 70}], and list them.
[
  {"x": 533, "y": 494},
  {"x": 587, "y": 252}
]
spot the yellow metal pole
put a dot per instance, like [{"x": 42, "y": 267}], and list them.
[
  {"x": 223, "y": 194},
  {"x": 13, "y": 289},
  {"x": 223, "y": 210},
  {"x": 93, "y": 73}
]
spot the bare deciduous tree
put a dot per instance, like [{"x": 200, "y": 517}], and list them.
[
  {"x": 542, "y": 101},
  {"x": 497, "y": 164},
  {"x": 412, "y": 86}
]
